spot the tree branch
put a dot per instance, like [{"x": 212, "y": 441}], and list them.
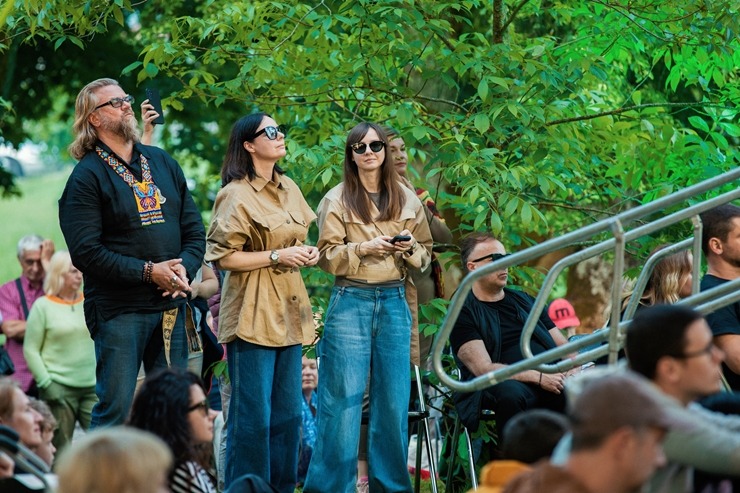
[
  {"x": 513, "y": 14},
  {"x": 621, "y": 110},
  {"x": 617, "y": 111},
  {"x": 498, "y": 22}
]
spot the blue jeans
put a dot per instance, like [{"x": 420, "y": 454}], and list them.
[
  {"x": 121, "y": 345},
  {"x": 366, "y": 330},
  {"x": 264, "y": 413}
]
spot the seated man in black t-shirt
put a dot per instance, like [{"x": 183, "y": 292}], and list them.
[
  {"x": 486, "y": 337},
  {"x": 721, "y": 246}
]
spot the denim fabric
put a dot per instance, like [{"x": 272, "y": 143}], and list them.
[
  {"x": 121, "y": 345},
  {"x": 264, "y": 418},
  {"x": 366, "y": 330},
  {"x": 225, "y": 392}
]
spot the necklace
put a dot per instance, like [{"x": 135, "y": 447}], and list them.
[{"x": 148, "y": 196}]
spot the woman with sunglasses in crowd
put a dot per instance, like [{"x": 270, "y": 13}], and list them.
[
  {"x": 372, "y": 230},
  {"x": 172, "y": 404},
  {"x": 258, "y": 229}
]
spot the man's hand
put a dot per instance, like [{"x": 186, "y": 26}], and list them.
[
  {"x": 552, "y": 382},
  {"x": 170, "y": 276},
  {"x": 47, "y": 250}
]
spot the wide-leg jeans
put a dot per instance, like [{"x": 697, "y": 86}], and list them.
[
  {"x": 264, "y": 418},
  {"x": 366, "y": 330}
]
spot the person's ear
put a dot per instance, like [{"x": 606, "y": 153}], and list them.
[
  {"x": 248, "y": 146},
  {"x": 667, "y": 369},
  {"x": 715, "y": 246},
  {"x": 94, "y": 119}
]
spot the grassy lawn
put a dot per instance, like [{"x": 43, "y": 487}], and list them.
[{"x": 36, "y": 211}]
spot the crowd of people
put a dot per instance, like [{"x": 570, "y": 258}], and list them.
[{"x": 115, "y": 360}]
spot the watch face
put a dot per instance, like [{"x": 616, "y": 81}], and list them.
[{"x": 274, "y": 256}]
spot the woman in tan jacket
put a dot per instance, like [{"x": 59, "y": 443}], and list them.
[
  {"x": 372, "y": 230},
  {"x": 258, "y": 229}
]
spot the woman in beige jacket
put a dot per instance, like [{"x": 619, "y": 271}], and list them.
[{"x": 372, "y": 230}]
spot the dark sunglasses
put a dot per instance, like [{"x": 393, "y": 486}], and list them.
[
  {"x": 271, "y": 132},
  {"x": 361, "y": 147},
  {"x": 492, "y": 256},
  {"x": 117, "y": 102},
  {"x": 201, "y": 405}
]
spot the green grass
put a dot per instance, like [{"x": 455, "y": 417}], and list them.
[{"x": 35, "y": 211}]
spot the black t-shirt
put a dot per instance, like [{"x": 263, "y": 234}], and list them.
[
  {"x": 724, "y": 321},
  {"x": 468, "y": 328}
]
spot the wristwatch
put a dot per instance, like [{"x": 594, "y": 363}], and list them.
[{"x": 274, "y": 257}]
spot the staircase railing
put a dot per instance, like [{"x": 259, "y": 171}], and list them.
[{"x": 705, "y": 302}]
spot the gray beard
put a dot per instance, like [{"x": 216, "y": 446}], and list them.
[{"x": 126, "y": 128}]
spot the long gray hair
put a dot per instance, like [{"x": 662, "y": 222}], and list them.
[{"x": 85, "y": 132}]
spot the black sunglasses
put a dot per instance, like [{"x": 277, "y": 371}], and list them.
[
  {"x": 117, "y": 102},
  {"x": 361, "y": 147},
  {"x": 201, "y": 405},
  {"x": 492, "y": 256},
  {"x": 271, "y": 132}
]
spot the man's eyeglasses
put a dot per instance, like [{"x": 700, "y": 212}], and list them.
[
  {"x": 201, "y": 405},
  {"x": 492, "y": 256},
  {"x": 699, "y": 352},
  {"x": 361, "y": 147},
  {"x": 271, "y": 132},
  {"x": 117, "y": 102}
]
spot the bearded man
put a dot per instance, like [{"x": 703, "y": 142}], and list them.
[
  {"x": 721, "y": 246},
  {"x": 133, "y": 230}
]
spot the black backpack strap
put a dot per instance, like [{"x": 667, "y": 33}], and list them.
[{"x": 23, "y": 298}]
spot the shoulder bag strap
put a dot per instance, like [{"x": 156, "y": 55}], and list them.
[{"x": 23, "y": 297}]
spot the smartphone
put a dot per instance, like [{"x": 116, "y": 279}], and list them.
[
  {"x": 152, "y": 95},
  {"x": 399, "y": 238}
]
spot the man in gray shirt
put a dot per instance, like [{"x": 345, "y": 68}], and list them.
[{"x": 673, "y": 347}]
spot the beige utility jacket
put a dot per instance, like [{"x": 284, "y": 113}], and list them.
[
  {"x": 340, "y": 234},
  {"x": 268, "y": 306}
]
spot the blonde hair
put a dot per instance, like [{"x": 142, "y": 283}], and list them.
[
  {"x": 114, "y": 460},
  {"x": 59, "y": 265},
  {"x": 668, "y": 276},
  {"x": 85, "y": 133}
]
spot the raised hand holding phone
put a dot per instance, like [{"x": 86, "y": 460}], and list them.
[{"x": 152, "y": 95}]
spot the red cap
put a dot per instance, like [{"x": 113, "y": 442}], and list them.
[{"x": 563, "y": 314}]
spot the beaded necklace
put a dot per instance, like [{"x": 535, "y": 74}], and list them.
[{"x": 148, "y": 196}]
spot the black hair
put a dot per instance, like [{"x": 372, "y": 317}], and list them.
[
  {"x": 717, "y": 223},
  {"x": 161, "y": 407},
  {"x": 532, "y": 435},
  {"x": 655, "y": 332},
  {"x": 238, "y": 161}
]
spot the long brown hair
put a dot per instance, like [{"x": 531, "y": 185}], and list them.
[
  {"x": 354, "y": 197},
  {"x": 85, "y": 133}
]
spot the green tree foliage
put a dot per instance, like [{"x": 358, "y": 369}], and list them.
[
  {"x": 533, "y": 115},
  {"x": 529, "y": 117}
]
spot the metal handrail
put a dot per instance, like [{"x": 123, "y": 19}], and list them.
[
  {"x": 616, "y": 223},
  {"x": 647, "y": 271}
]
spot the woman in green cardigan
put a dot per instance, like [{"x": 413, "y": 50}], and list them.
[{"x": 59, "y": 350}]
